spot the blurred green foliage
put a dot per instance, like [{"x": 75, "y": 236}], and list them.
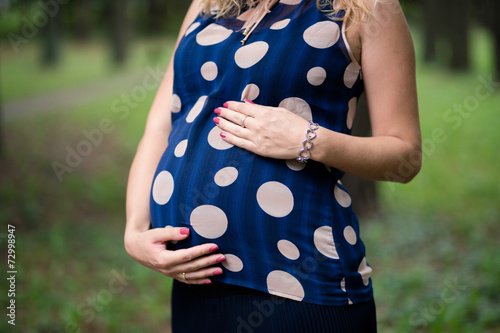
[
  {"x": 434, "y": 251},
  {"x": 14, "y": 15}
]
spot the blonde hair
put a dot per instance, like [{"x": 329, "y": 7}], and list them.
[{"x": 355, "y": 10}]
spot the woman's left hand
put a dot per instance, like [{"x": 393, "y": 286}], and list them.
[{"x": 267, "y": 131}]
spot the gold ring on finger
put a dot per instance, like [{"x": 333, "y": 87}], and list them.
[
  {"x": 243, "y": 120},
  {"x": 184, "y": 276}
]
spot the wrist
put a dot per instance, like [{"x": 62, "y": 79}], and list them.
[
  {"x": 304, "y": 154},
  {"x": 137, "y": 224},
  {"x": 132, "y": 230},
  {"x": 330, "y": 147}
]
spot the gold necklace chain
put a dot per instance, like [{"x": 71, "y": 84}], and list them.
[{"x": 263, "y": 8}]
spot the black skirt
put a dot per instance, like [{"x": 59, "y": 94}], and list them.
[{"x": 223, "y": 308}]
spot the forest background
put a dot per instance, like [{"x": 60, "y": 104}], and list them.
[{"x": 75, "y": 88}]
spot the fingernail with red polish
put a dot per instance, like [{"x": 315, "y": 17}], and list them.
[
  {"x": 214, "y": 248},
  {"x": 223, "y": 135},
  {"x": 217, "y": 111},
  {"x": 225, "y": 105},
  {"x": 208, "y": 282},
  {"x": 217, "y": 121},
  {"x": 184, "y": 231},
  {"x": 221, "y": 259},
  {"x": 249, "y": 101},
  {"x": 218, "y": 272}
]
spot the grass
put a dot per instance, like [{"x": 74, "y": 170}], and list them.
[
  {"x": 434, "y": 251},
  {"x": 23, "y": 75}
]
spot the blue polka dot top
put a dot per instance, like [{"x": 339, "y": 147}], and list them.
[{"x": 285, "y": 228}]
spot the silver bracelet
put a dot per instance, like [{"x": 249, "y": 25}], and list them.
[{"x": 307, "y": 144}]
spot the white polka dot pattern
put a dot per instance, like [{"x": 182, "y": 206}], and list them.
[
  {"x": 342, "y": 197},
  {"x": 323, "y": 240},
  {"x": 350, "y": 235},
  {"x": 351, "y": 75},
  {"x": 180, "y": 149},
  {"x": 295, "y": 165},
  {"x": 192, "y": 28},
  {"x": 353, "y": 103},
  {"x": 288, "y": 249},
  {"x": 226, "y": 176},
  {"x": 322, "y": 35},
  {"x": 365, "y": 271},
  {"x": 163, "y": 188},
  {"x": 283, "y": 284},
  {"x": 249, "y": 69},
  {"x": 209, "y": 71},
  {"x": 297, "y": 106},
  {"x": 232, "y": 263},
  {"x": 316, "y": 76},
  {"x": 196, "y": 109},
  {"x": 176, "y": 103},
  {"x": 213, "y": 34},
  {"x": 250, "y": 92},
  {"x": 275, "y": 199},
  {"x": 280, "y": 24},
  {"x": 215, "y": 140},
  {"x": 209, "y": 221},
  {"x": 342, "y": 285},
  {"x": 250, "y": 54},
  {"x": 290, "y": 2}
]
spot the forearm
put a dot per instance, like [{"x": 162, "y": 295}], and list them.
[
  {"x": 149, "y": 152},
  {"x": 152, "y": 145},
  {"x": 377, "y": 158},
  {"x": 141, "y": 175}
]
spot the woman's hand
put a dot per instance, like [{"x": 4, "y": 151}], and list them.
[
  {"x": 266, "y": 131},
  {"x": 149, "y": 248}
]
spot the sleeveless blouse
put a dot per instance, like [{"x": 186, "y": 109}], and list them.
[{"x": 285, "y": 228}]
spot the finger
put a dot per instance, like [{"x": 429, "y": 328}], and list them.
[
  {"x": 168, "y": 234},
  {"x": 239, "y": 119},
  {"x": 200, "y": 275},
  {"x": 197, "y": 281},
  {"x": 243, "y": 108},
  {"x": 183, "y": 256},
  {"x": 200, "y": 263},
  {"x": 238, "y": 141},
  {"x": 228, "y": 126}
]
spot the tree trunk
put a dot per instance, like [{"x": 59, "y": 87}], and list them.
[
  {"x": 458, "y": 33},
  {"x": 118, "y": 30},
  {"x": 488, "y": 15},
  {"x": 364, "y": 193},
  {"x": 156, "y": 14},
  {"x": 495, "y": 30},
  {"x": 430, "y": 28},
  {"x": 496, "y": 35},
  {"x": 1, "y": 126},
  {"x": 51, "y": 41},
  {"x": 82, "y": 20}
]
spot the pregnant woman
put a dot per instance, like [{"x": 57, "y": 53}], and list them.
[{"x": 235, "y": 189}]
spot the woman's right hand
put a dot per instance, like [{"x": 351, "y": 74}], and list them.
[{"x": 149, "y": 248}]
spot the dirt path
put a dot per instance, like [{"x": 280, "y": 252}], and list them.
[{"x": 71, "y": 98}]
